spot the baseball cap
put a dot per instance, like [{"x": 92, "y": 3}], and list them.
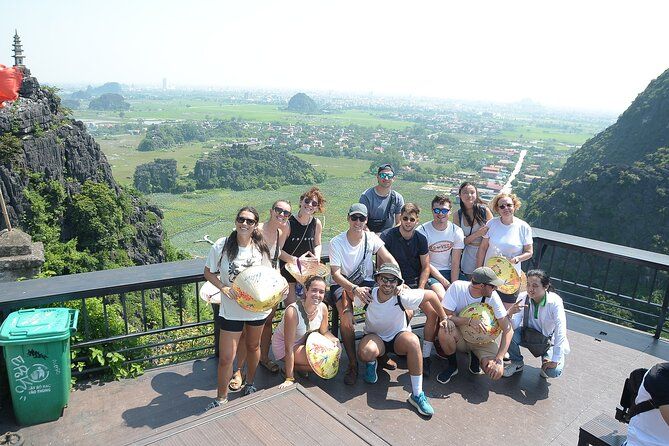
[
  {"x": 392, "y": 269},
  {"x": 386, "y": 166},
  {"x": 358, "y": 208},
  {"x": 487, "y": 276}
]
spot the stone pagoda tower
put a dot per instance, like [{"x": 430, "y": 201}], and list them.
[{"x": 18, "y": 51}]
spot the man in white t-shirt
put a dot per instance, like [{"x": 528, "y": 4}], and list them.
[
  {"x": 651, "y": 428},
  {"x": 445, "y": 243},
  {"x": 387, "y": 329},
  {"x": 460, "y": 294},
  {"x": 352, "y": 269}
]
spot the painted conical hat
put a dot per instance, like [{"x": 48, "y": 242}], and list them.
[
  {"x": 259, "y": 288},
  {"x": 308, "y": 269},
  {"x": 323, "y": 355},
  {"x": 209, "y": 293},
  {"x": 484, "y": 312},
  {"x": 523, "y": 282},
  {"x": 505, "y": 271}
]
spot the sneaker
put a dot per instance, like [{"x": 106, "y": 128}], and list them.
[
  {"x": 427, "y": 362},
  {"x": 386, "y": 363},
  {"x": 513, "y": 367},
  {"x": 351, "y": 376},
  {"x": 370, "y": 373},
  {"x": 249, "y": 389},
  {"x": 448, "y": 373},
  {"x": 421, "y": 404},
  {"x": 474, "y": 365},
  {"x": 216, "y": 403},
  {"x": 438, "y": 350}
]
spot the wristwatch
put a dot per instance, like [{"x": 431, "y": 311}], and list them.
[
  {"x": 498, "y": 361},
  {"x": 353, "y": 288}
]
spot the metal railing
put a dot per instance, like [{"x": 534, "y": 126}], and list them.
[{"x": 152, "y": 314}]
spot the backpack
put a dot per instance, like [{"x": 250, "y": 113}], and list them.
[
  {"x": 397, "y": 304},
  {"x": 627, "y": 408}
]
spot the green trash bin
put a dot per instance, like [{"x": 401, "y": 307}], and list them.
[{"x": 37, "y": 353}]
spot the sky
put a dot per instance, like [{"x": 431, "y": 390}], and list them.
[{"x": 584, "y": 54}]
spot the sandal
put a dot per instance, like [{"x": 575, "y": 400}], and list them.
[
  {"x": 236, "y": 382},
  {"x": 270, "y": 365}
]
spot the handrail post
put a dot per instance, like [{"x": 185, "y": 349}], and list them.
[{"x": 663, "y": 313}]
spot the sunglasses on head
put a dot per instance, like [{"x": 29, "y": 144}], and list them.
[
  {"x": 504, "y": 206},
  {"x": 248, "y": 221},
  {"x": 283, "y": 212},
  {"x": 358, "y": 217},
  {"x": 441, "y": 211},
  {"x": 386, "y": 175},
  {"x": 308, "y": 202},
  {"x": 411, "y": 219},
  {"x": 389, "y": 280}
]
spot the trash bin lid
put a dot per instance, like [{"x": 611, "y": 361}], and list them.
[{"x": 36, "y": 325}]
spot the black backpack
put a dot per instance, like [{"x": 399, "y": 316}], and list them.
[{"x": 627, "y": 408}]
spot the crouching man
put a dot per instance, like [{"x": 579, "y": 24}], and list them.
[
  {"x": 460, "y": 294},
  {"x": 387, "y": 329}
]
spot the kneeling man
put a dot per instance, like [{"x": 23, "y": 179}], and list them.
[{"x": 387, "y": 329}]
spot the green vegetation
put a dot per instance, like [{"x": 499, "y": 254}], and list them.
[
  {"x": 160, "y": 137},
  {"x": 241, "y": 168},
  {"x": 157, "y": 176},
  {"x": 301, "y": 103},
  {"x": 10, "y": 147},
  {"x": 109, "y": 101}
]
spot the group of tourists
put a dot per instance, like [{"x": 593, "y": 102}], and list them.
[{"x": 387, "y": 265}]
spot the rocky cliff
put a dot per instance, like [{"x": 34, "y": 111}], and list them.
[
  {"x": 615, "y": 188},
  {"x": 40, "y": 142}
]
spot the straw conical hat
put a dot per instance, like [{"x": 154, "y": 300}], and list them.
[
  {"x": 485, "y": 313},
  {"x": 209, "y": 293},
  {"x": 505, "y": 271},
  {"x": 308, "y": 269},
  {"x": 259, "y": 288},
  {"x": 323, "y": 355}
]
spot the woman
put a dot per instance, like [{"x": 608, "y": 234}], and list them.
[
  {"x": 231, "y": 255},
  {"x": 288, "y": 342},
  {"x": 303, "y": 239},
  {"x": 274, "y": 234},
  {"x": 507, "y": 236},
  {"x": 546, "y": 315},
  {"x": 471, "y": 218}
]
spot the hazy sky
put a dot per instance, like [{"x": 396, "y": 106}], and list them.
[{"x": 583, "y": 54}]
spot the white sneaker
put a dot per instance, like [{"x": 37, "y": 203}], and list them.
[{"x": 512, "y": 368}]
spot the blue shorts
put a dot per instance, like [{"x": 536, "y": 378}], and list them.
[{"x": 447, "y": 274}]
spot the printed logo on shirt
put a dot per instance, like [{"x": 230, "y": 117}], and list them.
[{"x": 441, "y": 246}]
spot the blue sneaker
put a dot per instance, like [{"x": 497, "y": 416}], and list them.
[
  {"x": 421, "y": 403},
  {"x": 370, "y": 373},
  {"x": 448, "y": 373}
]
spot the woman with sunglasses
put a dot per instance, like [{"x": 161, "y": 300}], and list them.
[
  {"x": 303, "y": 236},
  {"x": 274, "y": 234},
  {"x": 231, "y": 255},
  {"x": 508, "y": 236},
  {"x": 471, "y": 218}
]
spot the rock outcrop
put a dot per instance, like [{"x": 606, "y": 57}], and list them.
[{"x": 56, "y": 147}]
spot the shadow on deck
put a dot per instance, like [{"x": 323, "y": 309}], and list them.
[{"x": 164, "y": 406}]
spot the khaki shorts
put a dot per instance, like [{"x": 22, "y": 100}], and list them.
[{"x": 480, "y": 350}]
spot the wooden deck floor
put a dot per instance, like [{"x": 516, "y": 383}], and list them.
[{"x": 471, "y": 410}]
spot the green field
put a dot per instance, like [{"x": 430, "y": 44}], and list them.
[
  {"x": 188, "y": 217},
  {"x": 201, "y": 109},
  {"x": 531, "y": 133}
]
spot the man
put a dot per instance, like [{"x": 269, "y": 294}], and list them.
[
  {"x": 460, "y": 294},
  {"x": 352, "y": 269},
  {"x": 651, "y": 428},
  {"x": 409, "y": 248},
  {"x": 387, "y": 329},
  {"x": 383, "y": 204},
  {"x": 445, "y": 242}
]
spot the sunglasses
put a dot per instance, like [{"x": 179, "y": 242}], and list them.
[
  {"x": 386, "y": 176},
  {"x": 308, "y": 202},
  {"x": 441, "y": 211},
  {"x": 389, "y": 280},
  {"x": 248, "y": 221},
  {"x": 358, "y": 217},
  {"x": 411, "y": 219},
  {"x": 504, "y": 206},
  {"x": 283, "y": 212}
]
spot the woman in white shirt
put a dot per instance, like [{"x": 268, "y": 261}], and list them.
[
  {"x": 288, "y": 341},
  {"x": 546, "y": 315},
  {"x": 508, "y": 236},
  {"x": 245, "y": 247}
]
